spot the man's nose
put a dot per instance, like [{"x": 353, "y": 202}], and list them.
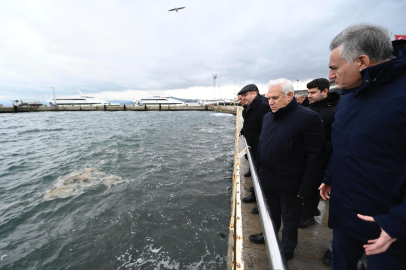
[{"x": 331, "y": 74}]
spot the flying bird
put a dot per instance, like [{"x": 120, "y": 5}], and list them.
[{"x": 176, "y": 9}]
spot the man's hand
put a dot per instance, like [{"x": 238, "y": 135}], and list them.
[
  {"x": 240, "y": 135},
  {"x": 380, "y": 244},
  {"x": 325, "y": 191}
]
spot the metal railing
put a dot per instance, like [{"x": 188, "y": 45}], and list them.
[{"x": 275, "y": 257}]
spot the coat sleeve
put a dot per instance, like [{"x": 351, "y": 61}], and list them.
[
  {"x": 258, "y": 158},
  {"x": 328, "y": 174},
  {"x": 394, "y": 223},
  {"x": 315, "y": 146}
]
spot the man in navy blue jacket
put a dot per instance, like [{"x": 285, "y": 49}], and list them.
[
  {"x": 291, "y": 159},
  {"x": 367, "y": 171}
]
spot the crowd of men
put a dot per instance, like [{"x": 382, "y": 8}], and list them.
[{"x": 348, "y": 147}]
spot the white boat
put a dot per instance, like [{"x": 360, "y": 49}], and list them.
[
  {"x": 156, "y": 100},
  {"x": 81, "y": 100},
  {"x": 215, "y": 101}
]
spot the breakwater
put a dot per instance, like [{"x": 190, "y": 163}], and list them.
[{"x": 225, "y": 109}]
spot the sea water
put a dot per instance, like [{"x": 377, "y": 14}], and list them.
[{"x": 115, "y": 190}]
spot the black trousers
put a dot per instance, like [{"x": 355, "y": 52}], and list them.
[
  {"x": 347, "y": 251},
  {"x": 287, "y": 209},
  {"x": 310, "y": 205}
]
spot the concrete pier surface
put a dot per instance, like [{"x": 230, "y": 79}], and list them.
[{"x": 225, "y": 109}]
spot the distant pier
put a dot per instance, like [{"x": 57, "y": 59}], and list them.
[{"x": 225, "y": 109}]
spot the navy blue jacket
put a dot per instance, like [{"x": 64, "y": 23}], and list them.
[
  {"x": 367, "y": 169},
  {"x": 291, "y": 155}
]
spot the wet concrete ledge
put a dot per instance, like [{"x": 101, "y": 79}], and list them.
[{"x": 224, "y": 109}]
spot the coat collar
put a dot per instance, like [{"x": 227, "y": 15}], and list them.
[
  {"x": 386, "y": 71},
  {"x": 255, "y": 103},
  {"x": 331, "y": 99},
  {"x": 285, "y": 110}
]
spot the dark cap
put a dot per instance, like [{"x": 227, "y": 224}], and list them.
[{"x": 247, "y": 88}]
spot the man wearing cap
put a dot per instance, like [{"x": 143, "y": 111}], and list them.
[{"x": 253, "y": 115}]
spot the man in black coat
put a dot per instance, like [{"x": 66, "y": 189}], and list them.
[
  {"x": 291, "y": 159},
  {"x": 253, "y": 115},
  {"x": 324, "y": 103},
  {"x": 302, "y": 99}
]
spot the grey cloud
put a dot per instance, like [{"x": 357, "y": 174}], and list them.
[{"x": 120, "y": 45}]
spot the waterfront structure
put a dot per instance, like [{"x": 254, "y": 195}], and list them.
[
  {"x": 205, "y": 102},
  {"x": 156, "y": 100},
  {"x": 26, "y": 103}
]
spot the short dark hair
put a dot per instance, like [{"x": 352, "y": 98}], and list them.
[{"x": 321, "y": 84}]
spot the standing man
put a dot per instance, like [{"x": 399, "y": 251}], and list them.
[
  {"x": 253, "y": 115},
  {"x": 323, "y": 103},
  {"x": 241, "y": 101},
  {"x": 302, "y": 99},
  {"x": 291, "y": 160},
  {"x": 367, "y": 171},
  {"x": 250, "y": 198}
]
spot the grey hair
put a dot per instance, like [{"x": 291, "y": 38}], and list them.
[
  {"x": 368, "y": 39},
  {"x": 287, "y": 86},
  {"x": 302, "y": 94}
]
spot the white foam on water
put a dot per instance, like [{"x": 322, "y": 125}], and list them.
[
  {"x": 210, "y": 130},
  {"x": 158, "y": 258},
  {"x": 76, "y": 183},
  {"x": 3, "y": 208},
  {"x": 222, "y": 114}
]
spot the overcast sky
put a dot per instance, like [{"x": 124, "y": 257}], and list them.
[{"x": 125, "y": 49}]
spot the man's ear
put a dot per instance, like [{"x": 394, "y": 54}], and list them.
[
  {"x": 363, "y": 61},
  {"x": 325, "y": 92}
]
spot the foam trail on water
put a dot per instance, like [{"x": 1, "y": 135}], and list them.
[{"x": 77, "y": 183}]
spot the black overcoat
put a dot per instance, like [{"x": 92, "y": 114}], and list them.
[
  {"x": 326, "y": 109},
  {"x": 253, "y": 116},
  {"x": 291, "y": 155}
]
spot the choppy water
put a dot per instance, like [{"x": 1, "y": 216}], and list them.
[{"x": 115, "y": 190}]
